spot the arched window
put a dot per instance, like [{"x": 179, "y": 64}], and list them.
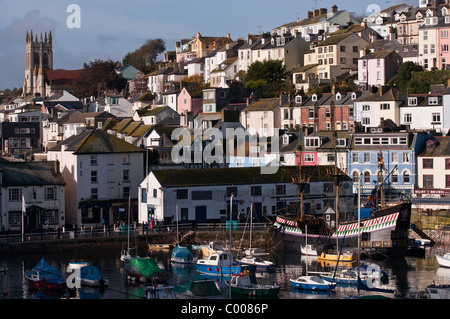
[
  {"x": 366, "y": 177},
  {"x": 45, "y": 60},
  {"x": 36, "y": 59},
  {"x": 406, "y": 177},
  {"x": 355, "y": 176}
]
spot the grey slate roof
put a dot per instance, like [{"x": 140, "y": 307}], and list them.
[{"x": 30, "y": 174}]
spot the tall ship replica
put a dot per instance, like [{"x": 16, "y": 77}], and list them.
[{"x": 385, "y": 232}]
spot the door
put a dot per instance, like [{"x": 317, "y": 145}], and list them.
[{"x": 200, "y": 214}]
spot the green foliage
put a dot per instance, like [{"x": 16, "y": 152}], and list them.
[
  {"x": 144, "y": 58},
  {"x": 268, "y": 77},
  {"x": 412, "y": 79},
  {"x": 98, "y": 76}
]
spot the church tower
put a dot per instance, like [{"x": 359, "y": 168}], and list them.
[{"x": 38, "y": 58}]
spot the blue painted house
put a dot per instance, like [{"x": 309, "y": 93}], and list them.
[{"x": 398, "y": 148}]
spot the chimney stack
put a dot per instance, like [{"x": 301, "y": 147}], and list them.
[
  {"x": 316, "y": 12},
  {"x": 310, "y": 14},
  {"x": 322, "y": 11},
  {"x": 334, "y": 9}
]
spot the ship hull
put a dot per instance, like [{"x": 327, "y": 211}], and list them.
[{"x": 385, "y": 232}]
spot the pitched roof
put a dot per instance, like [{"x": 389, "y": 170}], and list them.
[
  {"x": 236, "y": 176},
  {"x": 96, "y": 142},
  {"x": 264, "y": 105},
  {"x": 30, "y": 174},
  {"x": 392, "y": 94},
  {"x": 377, "y": 55},
  {"x": 335, "y": 39},
  {"x": 442, "y": 147},
  {"x": 62, "y": 77}
]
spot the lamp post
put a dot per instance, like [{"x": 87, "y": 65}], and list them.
[{"x": 231, "y": 255}]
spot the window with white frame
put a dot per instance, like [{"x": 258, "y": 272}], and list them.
[
  {"x": 405, "y": 157},
  {"x": 309, "y": 158},
  {"x": 394, "y": 157},
  {"x": 407, "y": 118},
  {"x": 15, "y": 194},
  {"x": 412, "y": 101},
  {"x": 433, "y": 100},
  {"x": 436, "y": 118}
]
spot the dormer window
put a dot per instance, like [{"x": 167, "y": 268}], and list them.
[
  {"x": 298, "y": 99},
  {"x": 338, "y": 96},
  {"x": 285, "y": 139},
  {"x": 341, "y": 142},
  {"x": 433, "y": 100},
  {"x": 312, "y": 142},
  {"x": 314, "y": 97},
  {"x": 353, "y": 96},
  {"x": 412, "y": 101}
]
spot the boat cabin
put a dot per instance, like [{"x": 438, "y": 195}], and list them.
[{"x": 218, "y": 259}]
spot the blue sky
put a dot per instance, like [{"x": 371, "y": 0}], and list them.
[{"x": 111, "y": 28}]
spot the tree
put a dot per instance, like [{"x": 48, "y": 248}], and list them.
[
  {"x": 98, "y": 76},
  {"x": 144, "y": 58},
  {"x": 268, "y": 77},
  {"x": 404, "y": 75}
]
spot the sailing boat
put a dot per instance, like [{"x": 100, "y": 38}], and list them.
[
  {"x": 181, "y": 254},
  {"x": 311, "y": 282},
  {"x": 252, "y": 258},
  {"x": 331, "y": 255},
  {"x": 444, "y": 259},
  {"x": 386, "y": 230},
  {"x": 125, "y": 255}
]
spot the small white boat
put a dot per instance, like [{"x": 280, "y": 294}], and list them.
[
  {"x": 242, "y": 285},
  {"x": 308, "y": 250},
  {"x": 438, "y": 291},
  {"x": 443, "y": 260},
  {"x": 261, "y": 264},
  {"x": 312, "y": 282}
]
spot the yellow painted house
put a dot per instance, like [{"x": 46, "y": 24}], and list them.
[{"x": 202, "y": 46}]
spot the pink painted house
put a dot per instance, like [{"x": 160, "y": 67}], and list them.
[
  {"x": 190, "y": 99},
  {"x": 308, "y": 158},
  {"x": 443, "y": 38}
]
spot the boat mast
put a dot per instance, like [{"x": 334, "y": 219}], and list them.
[
  {"x": 359, "y": 225},
  {"x": 380, "y": 177}
]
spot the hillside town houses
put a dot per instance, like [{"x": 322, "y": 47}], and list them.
[{"x": 171, "y": 148}]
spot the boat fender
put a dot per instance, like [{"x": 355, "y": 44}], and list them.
[
  {"x": 209, "y": 269},
  {"x": 217, "y": 269}
]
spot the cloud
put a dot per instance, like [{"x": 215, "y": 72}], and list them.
[{"x": 12, "y": 55}]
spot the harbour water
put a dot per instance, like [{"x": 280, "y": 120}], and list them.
[{"x": 407, "y": 274}]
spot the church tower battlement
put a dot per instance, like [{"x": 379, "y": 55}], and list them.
[{"x": 38, "y": 58}]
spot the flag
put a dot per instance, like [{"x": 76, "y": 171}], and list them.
[{"x": 24, "y": 207}]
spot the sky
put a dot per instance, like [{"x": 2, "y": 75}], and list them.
[{"x": 108, "y": 29}]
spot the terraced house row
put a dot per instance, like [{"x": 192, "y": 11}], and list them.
[{"x": 90, "y": 161}]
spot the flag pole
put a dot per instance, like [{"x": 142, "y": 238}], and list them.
[{"x": 23, "y": 213}]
